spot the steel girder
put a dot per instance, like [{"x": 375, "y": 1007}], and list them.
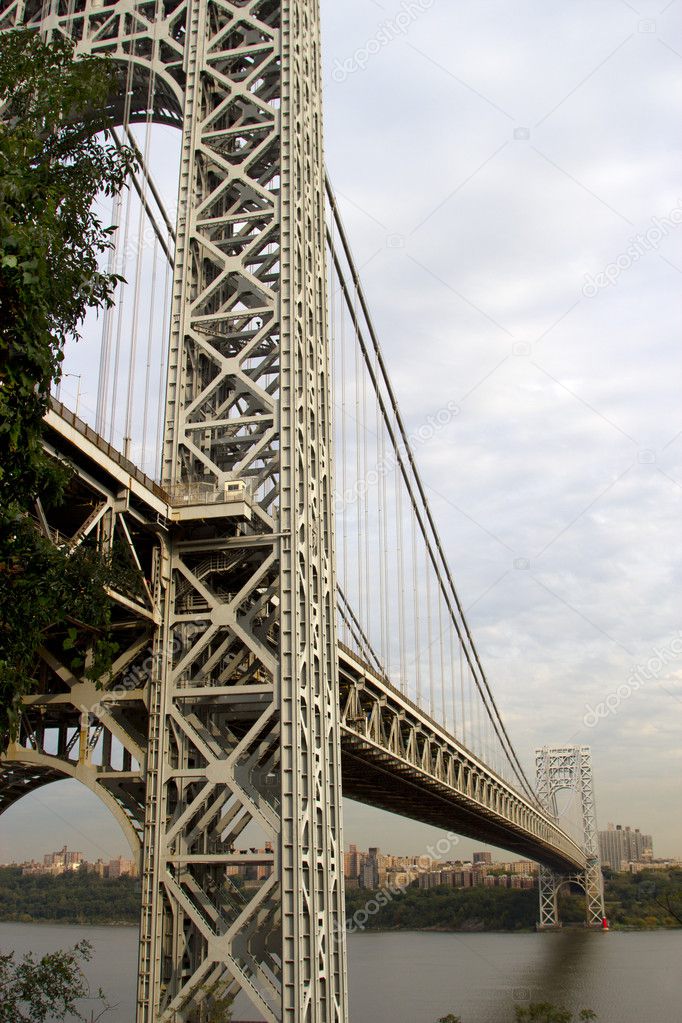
[
  {"x": 396, "y": 757},
  {"x": 570, "y": 767},
  {"x": 393, "y": 753},
  {"x": 71, "y": 726}
]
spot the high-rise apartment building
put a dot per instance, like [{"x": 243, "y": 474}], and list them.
[
  {"x": 352, "y": 862},
  {"x": 373, "y": 872},
  {"x": 619, "y": 846},
  {"x": 121, "y": 867},
  {"x": 62, "y": 860}
]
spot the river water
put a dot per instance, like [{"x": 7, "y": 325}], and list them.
[{"x": 413, "y": 977}]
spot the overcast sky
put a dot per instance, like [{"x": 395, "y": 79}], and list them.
[
  {"x": 510, "y": 179},
  {"x": 494, "y": 160}
]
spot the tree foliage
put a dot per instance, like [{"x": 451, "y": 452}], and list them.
[
  {"x": 45, "y": 588},
  {"x": 646, "y": 900},
  {"x": 56, "y": 156},
  {"x": 537, "y": 1012},
  {"x": 77, "y": 897},
  {"x": 640, "y": 901},
  {"x": 37, "y": 990},
  {"x": 53, "y": 164},
  {"x": 218, "y": 1004},
  {"x": 545, "y": 1012},
  {"x": 446, "y": 909},
  {"x": 99, "y": 900}
]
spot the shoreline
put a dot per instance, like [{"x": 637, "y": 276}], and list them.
[
  {"x": 615, "y": 928},
  {"x": 69, "y": 923}
]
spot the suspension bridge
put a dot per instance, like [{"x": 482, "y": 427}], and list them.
[{"x": 290, "y": 630}]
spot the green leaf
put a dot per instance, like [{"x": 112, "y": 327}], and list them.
[{"x": 70, "y": 641}]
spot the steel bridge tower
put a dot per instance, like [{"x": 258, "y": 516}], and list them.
[
  {"x": 243, "y": 705},
  {"x": 570, "y": 767}
]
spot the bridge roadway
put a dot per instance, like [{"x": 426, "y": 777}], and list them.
[{"x": 394, "y": 756}]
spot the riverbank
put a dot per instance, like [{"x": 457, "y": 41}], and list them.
[
  {"x": 73, "y": 898},
  {"x": 636, "y": 902},
  {"x": 633, "y": 901}
]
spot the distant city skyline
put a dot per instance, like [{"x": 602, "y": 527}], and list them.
[
  {"x": 83, "y": 822},
  {"x": 66, "y": 861}
]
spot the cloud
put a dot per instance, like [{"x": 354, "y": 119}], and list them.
[{"x": 563, "y": 456}]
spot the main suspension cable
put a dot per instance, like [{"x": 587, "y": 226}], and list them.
[{"x": 430, "y": 535}]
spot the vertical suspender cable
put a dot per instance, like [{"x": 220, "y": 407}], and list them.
[
  {"x": 331, "y": 290},
  {"x": 381, "y": 524},
  {"x": 359, "y": 482},
  {"x": 429, "y": 638},
  {"x": 385, "y": 560},
  {"x": 147, "y": 376},
  {"x": 162, "y": 384},
  {"x": 383, "y": 520},
  {"x": 492, "y": 752},
  {"x": 132, "y": 352},
  {"x": 476, "y": 702},
  {"x": 120, "y": 305},
  {"x": 344, "y": 466},
  {"x": 443, "y": 703},
  {"x": 461, "y": 690},
  {"x": 139, "y": 260},
  {"x": 102, "y": 413},
  {"x": 401, "y": 580},
  {"x": 333, "y": 357},
  {"x": 366, "y": 492},
  {"x": 138, "y": 276},
  {"x": 415, "y": 594},
  {"x": 453, "y": 676}
]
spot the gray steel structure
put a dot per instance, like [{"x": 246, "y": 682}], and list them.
[
  {"x": 392, "y": 754},
  {"x": 559, "y": 768},
  {"x": 231, "y": 705},
  {"x": 243, "y": 708}
]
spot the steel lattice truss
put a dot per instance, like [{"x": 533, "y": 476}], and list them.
[
  {"x": 570, "y": 767},
  {"x": 396, "y": 757},
  {"x": 225, "y": 709},
  {"x": 393, "y": 755},
  {"x": 243, "y": 712},
  {"x": 71, "y": 726}
]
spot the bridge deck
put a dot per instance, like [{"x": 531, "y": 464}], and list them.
[{"x": 393, "y": 755}]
